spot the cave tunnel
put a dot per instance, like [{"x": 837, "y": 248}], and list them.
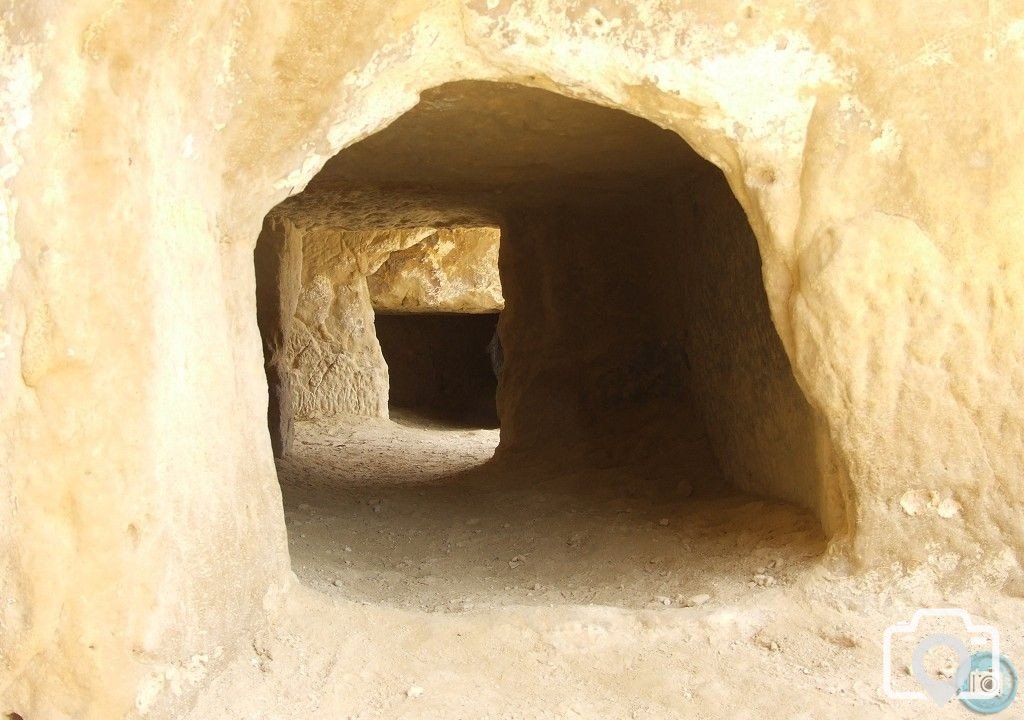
[
  {"x": 646, "y": 405},
  {"x": 439, "y": 366}
]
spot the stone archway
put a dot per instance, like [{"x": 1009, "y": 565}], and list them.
[
  {"x": 640, "y": 356},
  {"x": 137, "y": 183},
  {"x": 633, "y": 277}
]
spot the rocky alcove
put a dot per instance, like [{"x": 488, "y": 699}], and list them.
[
  {"x": 759, "y": 291},
  {"x": 439, "y": 365},
  {"x": 640, "y": 372}
]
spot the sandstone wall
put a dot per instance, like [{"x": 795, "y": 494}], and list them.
[
  {"x": 637, "y": 332},
  {"x": 317, "y": 290},
  {"x": 454, "y": 270},
  {"x": 328, "y": 360},
  {"x": 593, "y": 337},
  {"x": 278, "y": 265},
  {"x": 141, "y": 533},
  {"x": 758, "y": 421},
  {"x": 333, "y": 356}
]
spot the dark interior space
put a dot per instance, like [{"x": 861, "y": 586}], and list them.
[{"x": 439, "y": 367}]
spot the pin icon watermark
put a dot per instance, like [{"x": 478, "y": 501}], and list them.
[
  {"x": 937, "y": 689},
  {"x": 940, "y": 691}
]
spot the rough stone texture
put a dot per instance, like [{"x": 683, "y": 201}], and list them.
[
  {"x": 318, "y": 288},
  {"x": 760, "y": 426},
  {"x": 322, "y": 354},
  {"x": 595, "y": 366},
  {"x": 140, "y": 520},
  {"x": 332, "y": 357},
  {"x": 454, "y": 270},
  {"x": 278, "y": 264}
]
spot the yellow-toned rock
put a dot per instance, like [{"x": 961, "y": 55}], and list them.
[
  {"x": 873, "y": 147},
  {"x": 454, "y": 270}
]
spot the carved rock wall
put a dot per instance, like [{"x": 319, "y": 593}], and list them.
[
  {"x": 318, "y": 289},
  {"x": 637, "y": 333},
  {"x": 454, "y": 270},
  {"x": 141, "y": 532}
]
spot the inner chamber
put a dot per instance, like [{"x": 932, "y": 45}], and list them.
[
  {"x": 438, "y": 367},
  {"x": 641, "y": 385}
]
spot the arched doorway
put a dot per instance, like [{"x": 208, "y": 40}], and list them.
[{"x": 642, "y": 371}]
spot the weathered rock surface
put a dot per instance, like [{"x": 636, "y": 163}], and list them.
[
  {"x": 319, "y": 288},
  {"x": 325, "y": 358},
  {"x": 141, "y": 532},
  {"x": 454, "y": 270}
]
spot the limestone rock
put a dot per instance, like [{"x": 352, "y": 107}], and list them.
[
  {"x": 871, "y": 152},
  {"x": 454, "y": 270}
]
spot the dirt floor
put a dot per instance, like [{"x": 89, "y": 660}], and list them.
[{"x": 436, "y": 583}]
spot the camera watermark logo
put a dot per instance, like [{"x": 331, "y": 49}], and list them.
[{"x": 982, "y": 679}]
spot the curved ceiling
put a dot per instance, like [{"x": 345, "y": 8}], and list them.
[{"x": 471, "y": 149}]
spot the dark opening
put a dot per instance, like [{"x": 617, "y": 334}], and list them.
[{"x": 439, "y": 367}]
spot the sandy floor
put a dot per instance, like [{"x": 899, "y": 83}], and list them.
[{"x": 436, "y": 584}]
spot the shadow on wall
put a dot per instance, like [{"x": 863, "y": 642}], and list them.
[{"x": 759, "y": 423}]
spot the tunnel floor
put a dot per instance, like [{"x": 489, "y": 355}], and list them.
[
  {"x": 410, "y": 513},
  {"x": 433, "y": 584}
]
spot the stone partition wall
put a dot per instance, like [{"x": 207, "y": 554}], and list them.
[
  {"x": 873, "y": 147},
  {"x": 320, "y": 353},
  {"x": 333, "y": 356},
  {"x": 317, "y": 291},
  {"x": 453, "y": 270}
]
